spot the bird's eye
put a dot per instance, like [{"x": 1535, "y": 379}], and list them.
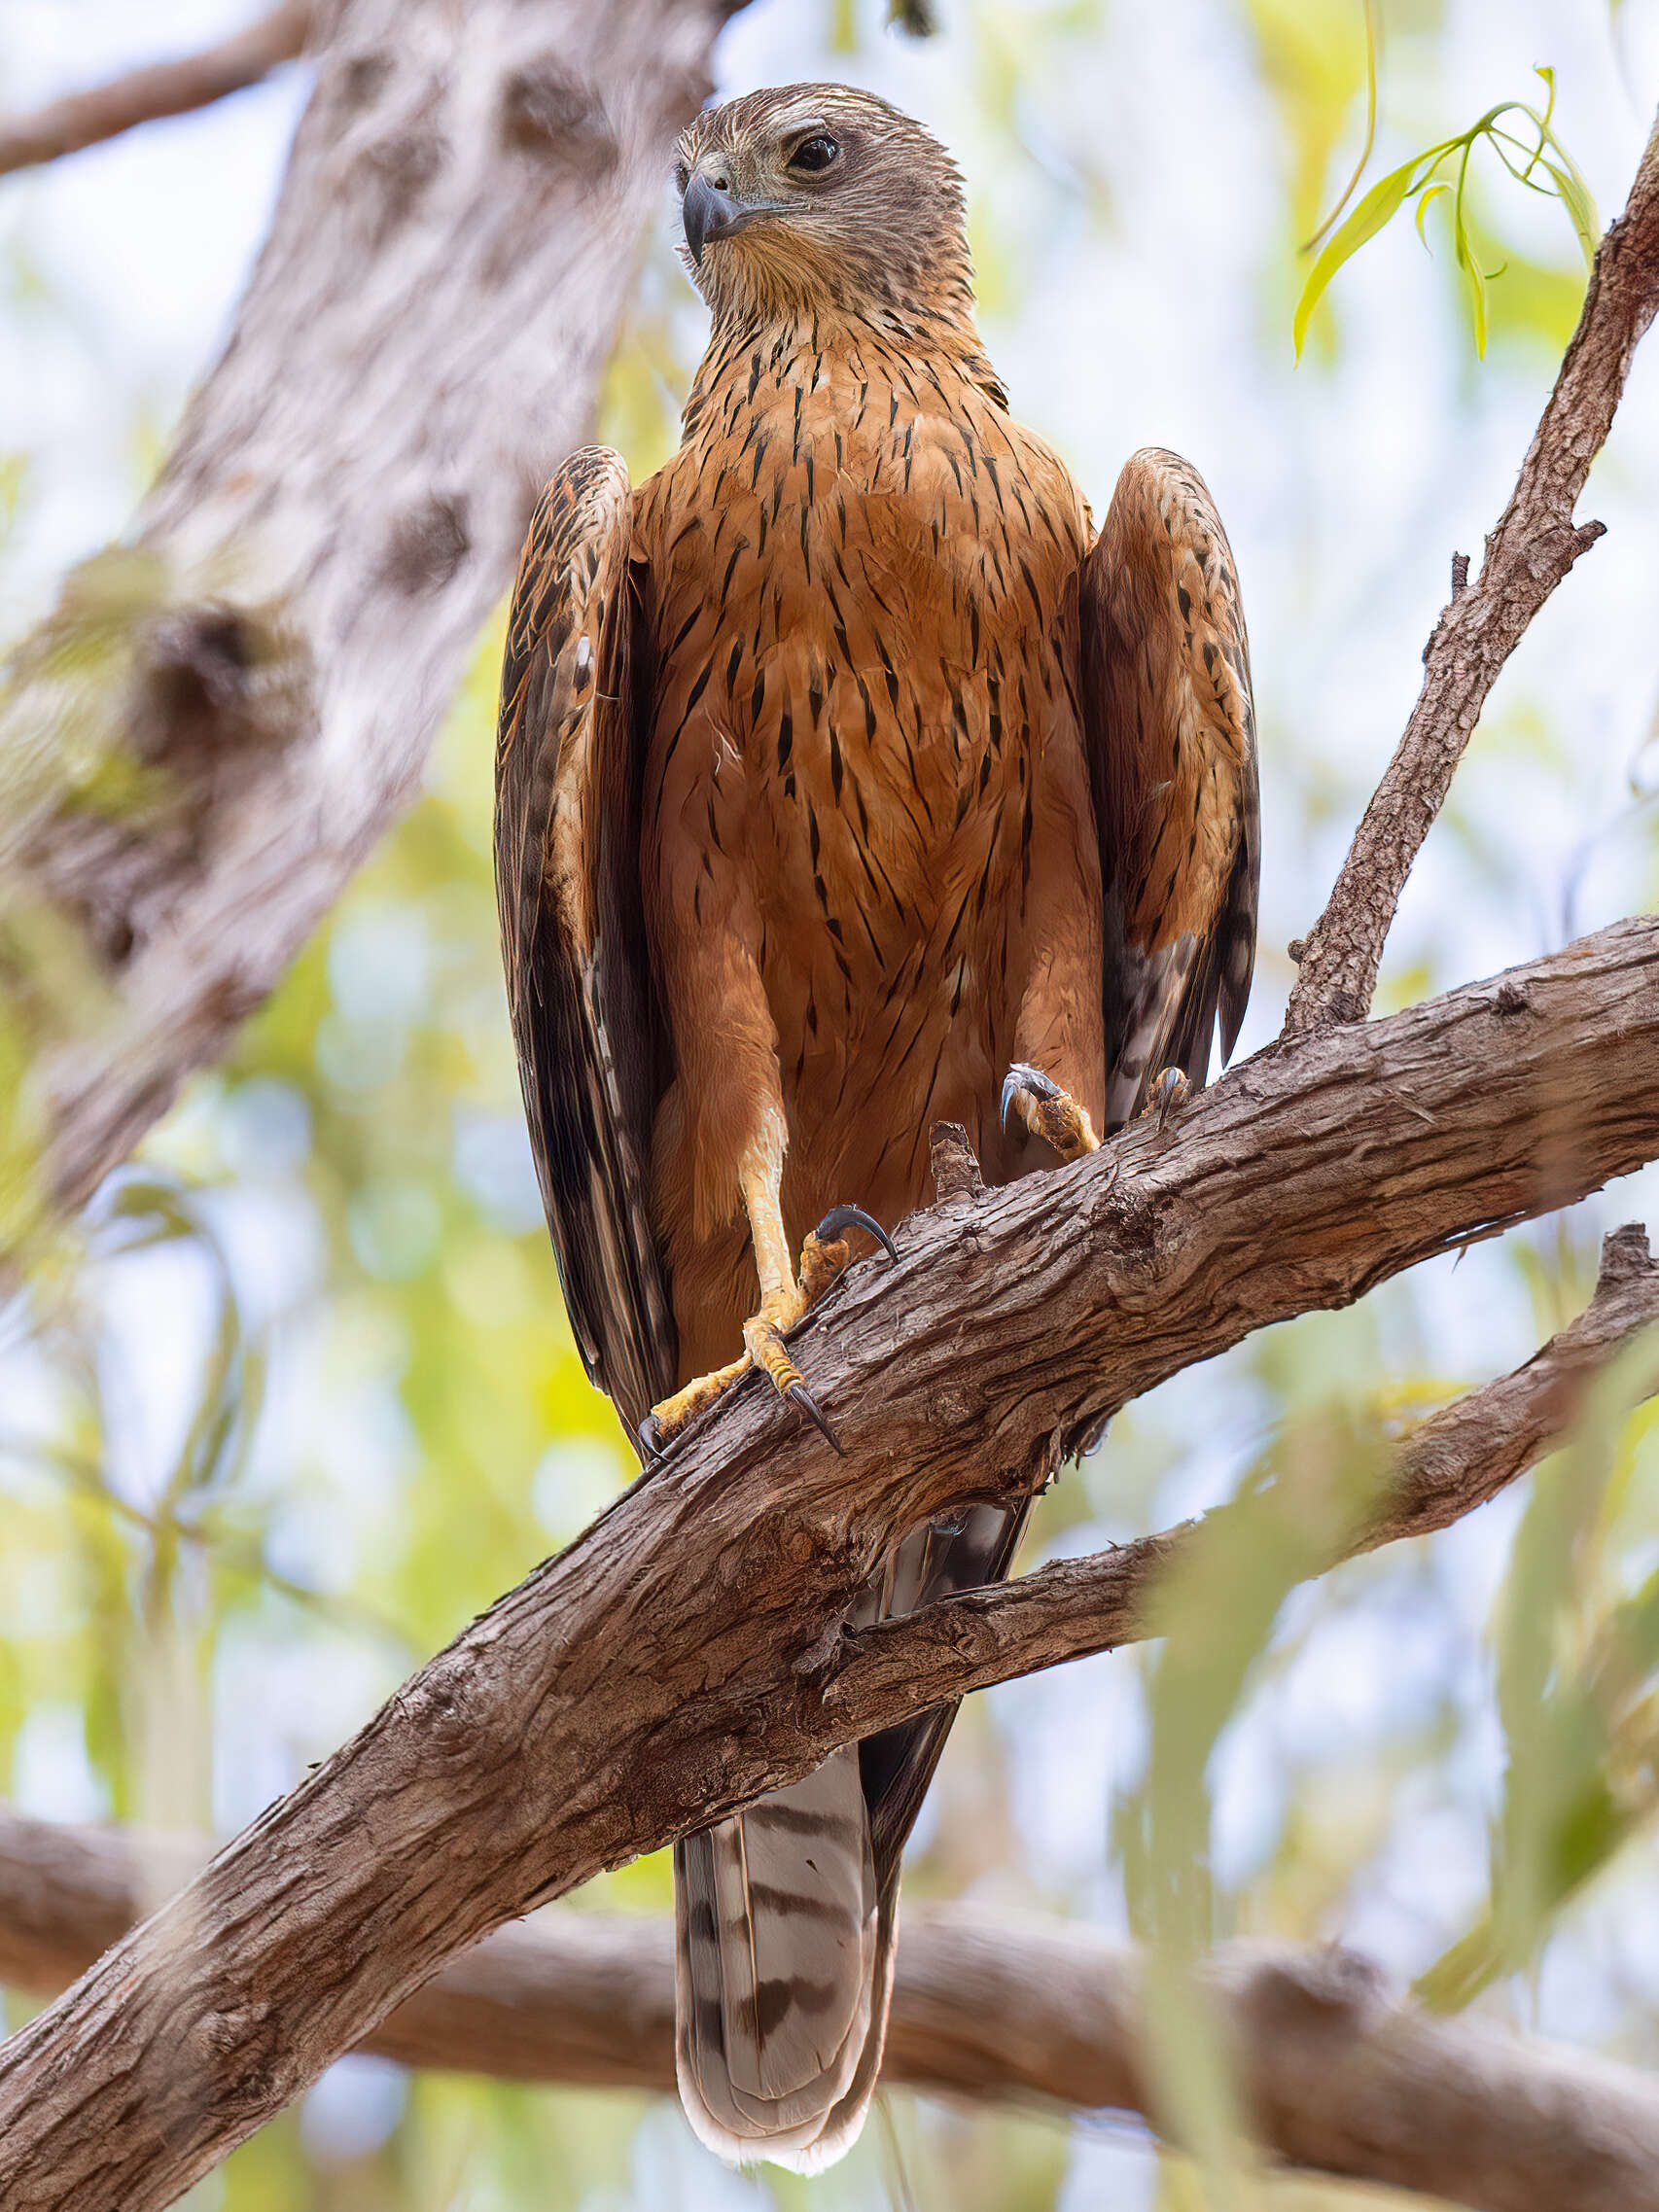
[
  {"x": 814, "y": 154},
  {"x": 682, "y": 178}
]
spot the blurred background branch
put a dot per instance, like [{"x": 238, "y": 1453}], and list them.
[
  {"x": 205, "y": 737},
  {"x": 164, "y": 88},
  {"x": 1340, "y": 2075}
]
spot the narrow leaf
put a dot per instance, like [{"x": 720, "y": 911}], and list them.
[
  {"x": 1383, "y": 200},
  {"x": 1575, "y": 198}
]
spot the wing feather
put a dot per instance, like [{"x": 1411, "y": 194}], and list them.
[
  {"x": 1171, "y": 727},
  {"x": 588, "y": 1027}
]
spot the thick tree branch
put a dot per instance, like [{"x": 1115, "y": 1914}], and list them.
[
  {"x": 1453, "y": 1463},
  {"x": 1532, "y": 550},
  {"x": 1338, "y": 2073},
  {"x": 146, "y": 95},
  {"x": 612, "y": 1699},
  {"x": 206, "y": 737}
]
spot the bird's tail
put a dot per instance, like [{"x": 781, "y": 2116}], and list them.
[
  {"x": 784, "y": 1959},
  {"x": 786, "y": 1912}
]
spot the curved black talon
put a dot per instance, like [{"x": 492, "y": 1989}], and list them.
[
  {"x": 800, "y": 1396},
  {"x": 1170, "y": 1091},
  {"x": 1021, "y": 1076},
  {"x": 842, "y": 1217},
  {"x": 649, "y": 1435}
]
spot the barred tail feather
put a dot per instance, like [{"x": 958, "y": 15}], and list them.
[
  {"x": 786, "y": 1913},
  {"x": 779, "y": 1943}
]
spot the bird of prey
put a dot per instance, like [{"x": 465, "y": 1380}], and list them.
[{"x": 847, "y": 781}]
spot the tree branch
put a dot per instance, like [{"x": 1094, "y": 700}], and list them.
[
  {"x": 1338, "y": 2073},
  {"x": 1532, "y": 550},
  {"x": 1454, "y": 1461},
  {"x": 146, "y": 95},
  {"x": 223, "y": 714},
  {"x": 613, "y": 1701}
]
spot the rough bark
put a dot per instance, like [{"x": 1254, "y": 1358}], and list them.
[
  {"x": 613, "y": 1699},
  {"x": 145, "y": 95},
  {"x": 1535, "y": 545},
  {"x": 1453, "y": 1463},
  {"x": 203, "y": 741},
  {"x": 1337, "y": 2072}
]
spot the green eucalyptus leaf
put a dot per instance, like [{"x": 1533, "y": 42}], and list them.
[
  {"x": 1383, "y": 200},
  {"x": 1579, "y": 205}
]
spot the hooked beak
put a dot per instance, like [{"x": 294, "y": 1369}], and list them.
[{"x": 710, "y": 214}]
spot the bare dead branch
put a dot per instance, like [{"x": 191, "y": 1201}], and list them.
[
  {"x": 612, "y": 1699},
  {"x": 146, "y": 95},
  {"x": 1338, "y": 2073},
  {"x": 1535, "y": 545},
  {"x": 206, "y": 737}
]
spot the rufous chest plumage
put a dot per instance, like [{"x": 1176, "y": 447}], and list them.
[{"x": 860, "y": 601}]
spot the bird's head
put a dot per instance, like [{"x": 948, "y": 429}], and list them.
[{"x": 819, "y": 199}]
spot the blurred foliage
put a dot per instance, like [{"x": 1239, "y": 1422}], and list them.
[
  {"x": 1314, "y": 58},
  {"x": 304, "y": 1398},
  {"x": 1419, "y": 179},
  {"x": 1577, "y": 1690}
]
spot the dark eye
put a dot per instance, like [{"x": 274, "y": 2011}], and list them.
[
  {"x": 814, "y": 154},
  {"x": 682, "y": 178}
]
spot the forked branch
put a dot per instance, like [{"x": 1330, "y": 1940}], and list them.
[{"x": 613, "y": 1701}]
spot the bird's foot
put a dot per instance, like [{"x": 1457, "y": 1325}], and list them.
[
  {"x": 1047, "y": 1111},
  {"x": 824, "y": 1257},
  {"x": 671, "y": 1416},
  {"x": 1167, "y": 1093}
]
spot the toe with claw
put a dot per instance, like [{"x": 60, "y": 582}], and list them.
[
  {"x": 824, "y": 1257},
  {"x": 1047, "y": 1111},
  {"x": 1168, "y": 1091}
]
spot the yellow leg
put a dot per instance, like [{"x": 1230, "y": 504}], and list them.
[
  {"x": 784, "y": 1299},
  {"x": 1048, "y": 1112}
]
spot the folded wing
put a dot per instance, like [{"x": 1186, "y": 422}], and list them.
[
  {"x": 589, "y": 1034},
  {"x": 1171, "y": 730}
]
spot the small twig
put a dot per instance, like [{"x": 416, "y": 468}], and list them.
[
  {"x": 1330, "y": 223},
  {"x": 1532, "y": 550},
  {"x": 164, "y": 88}
]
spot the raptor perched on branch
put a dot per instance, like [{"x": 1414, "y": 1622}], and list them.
[{"x": 846, "y": 781}]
